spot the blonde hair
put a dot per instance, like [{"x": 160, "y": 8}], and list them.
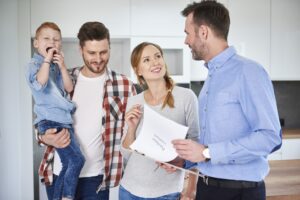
[
  {"x": 135, "y": 60},
  {"x": 46, "y": 25}
]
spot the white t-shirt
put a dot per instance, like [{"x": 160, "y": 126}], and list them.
[{"x": 88, "y": 98}]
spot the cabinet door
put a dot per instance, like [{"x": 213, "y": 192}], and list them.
[
  {"x": 250, "y": 29},
  {"x": 249, "y": 33},
  {"x": 70, "y": 15},
  {"x": 277, "y": 155},
  {"x": 285, "y": 39},
  {"x": 291, "y": 149},
  {"x": 157, "y": 18}
]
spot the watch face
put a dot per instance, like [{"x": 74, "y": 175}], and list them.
[{"x": 206, "y": 153}]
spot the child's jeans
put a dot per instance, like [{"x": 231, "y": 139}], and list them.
[
  {"x": 71, "y": 158},
  {"x": 86, "y": 188}
]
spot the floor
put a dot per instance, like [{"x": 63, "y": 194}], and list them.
[{"x": 283, "y": 181}]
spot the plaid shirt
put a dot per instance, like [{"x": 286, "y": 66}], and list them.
[{"x": 117, "y": 89}]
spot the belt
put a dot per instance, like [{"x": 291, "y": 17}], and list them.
[{"x": 224, "y": 183}]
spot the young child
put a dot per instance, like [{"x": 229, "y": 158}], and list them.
[{"x": 49, "y": 81}]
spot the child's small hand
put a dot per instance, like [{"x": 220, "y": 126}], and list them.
[
  {"x": 50, "y": 52},
  {"x": 58, "y": 58}
]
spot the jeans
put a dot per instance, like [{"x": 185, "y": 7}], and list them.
[
  {"x": 126, "y": 195},
  {"x": 86, "y": 189},
  {"x": 72, "y": 162}
]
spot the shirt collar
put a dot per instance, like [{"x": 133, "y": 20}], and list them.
[
  {"x": 220, "y": 59},
  {"x": 109, "y": 75},
  {"x": 38, "y": 57}
]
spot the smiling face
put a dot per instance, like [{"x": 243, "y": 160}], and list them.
[
  {"x": 95, "y": 54},
  {"x": 193, "y": 38},
  {"x": 47, "y": 37},
  {"x": 151, "y": 65}
]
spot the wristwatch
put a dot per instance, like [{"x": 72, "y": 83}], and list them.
[{"x": 206, "y": 153}]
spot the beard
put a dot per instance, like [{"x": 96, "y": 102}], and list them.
[
  {"x": 198, "y": 52},
  {"x": 100, "y": 67},
  {"x": 199, "y": 49},
  {"x": 196, "y": 55}
]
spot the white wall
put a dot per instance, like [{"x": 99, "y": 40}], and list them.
[{"x": 16, "y": 170}]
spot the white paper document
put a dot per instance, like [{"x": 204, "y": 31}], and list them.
[{"x": 156, "y": 135}]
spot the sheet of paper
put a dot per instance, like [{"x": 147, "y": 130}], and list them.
[{"x": 156, "y": 135}]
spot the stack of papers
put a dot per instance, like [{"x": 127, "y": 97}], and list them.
[{"x": 156, "y": 135}]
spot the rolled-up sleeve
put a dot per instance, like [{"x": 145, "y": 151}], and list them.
[{"x": 31, "y": 77}]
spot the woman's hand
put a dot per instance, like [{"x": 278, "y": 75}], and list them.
[
  {"x": 167, "y": 167},
  {"x": 133, "y": 117}
]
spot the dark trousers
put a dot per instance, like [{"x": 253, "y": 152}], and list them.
[{"x": 207, "y": 192}]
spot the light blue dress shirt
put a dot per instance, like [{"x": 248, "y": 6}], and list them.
[
  {"x": 238, "y": 118},
  {"x": 51, "y": 102}
]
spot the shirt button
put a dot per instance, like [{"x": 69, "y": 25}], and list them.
[{"x": 205, "y": 109}]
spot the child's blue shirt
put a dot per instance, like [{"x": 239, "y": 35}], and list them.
[{"x": 51, "y": 102}]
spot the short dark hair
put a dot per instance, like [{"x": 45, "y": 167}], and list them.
[
  {"x": 92, "y": 31},
  {"x": 210, "y": 13}
]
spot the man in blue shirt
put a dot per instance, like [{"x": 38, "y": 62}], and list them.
[{"x": 238, "y": 115}]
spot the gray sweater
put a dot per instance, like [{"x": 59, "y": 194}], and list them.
[{"x": 141, "y": 177}]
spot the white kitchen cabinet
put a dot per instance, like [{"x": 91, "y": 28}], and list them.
[
  {"x": 71, "y": 14},
  {"x": 250, "y": 29},
  {"x": 198, "y": 70},
  {"x": 277, "y": 155},
  {"x": 157, "y": 18},
  {"x": 249, "y": 33},
  {"x": 268, "y": 32},
  {"x": 289, "y": 150},
  {"x": 285, "y": 39}
]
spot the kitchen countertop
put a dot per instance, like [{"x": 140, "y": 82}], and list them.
[
  {"x": 290, "y": 133},
  {"x": 284, "y": 179}
]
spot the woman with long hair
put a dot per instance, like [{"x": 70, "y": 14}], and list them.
[{"x": 142, "y": 179}]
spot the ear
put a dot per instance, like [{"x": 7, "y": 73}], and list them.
[
  {"x": 35, "y": 43},
  {"x": 137, "y": 71},
  {"x": 80, "y": 49},
  {"x": 203, "y": 31}
]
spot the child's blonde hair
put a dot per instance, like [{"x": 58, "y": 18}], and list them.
[{"x": 47, "y": 25}]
